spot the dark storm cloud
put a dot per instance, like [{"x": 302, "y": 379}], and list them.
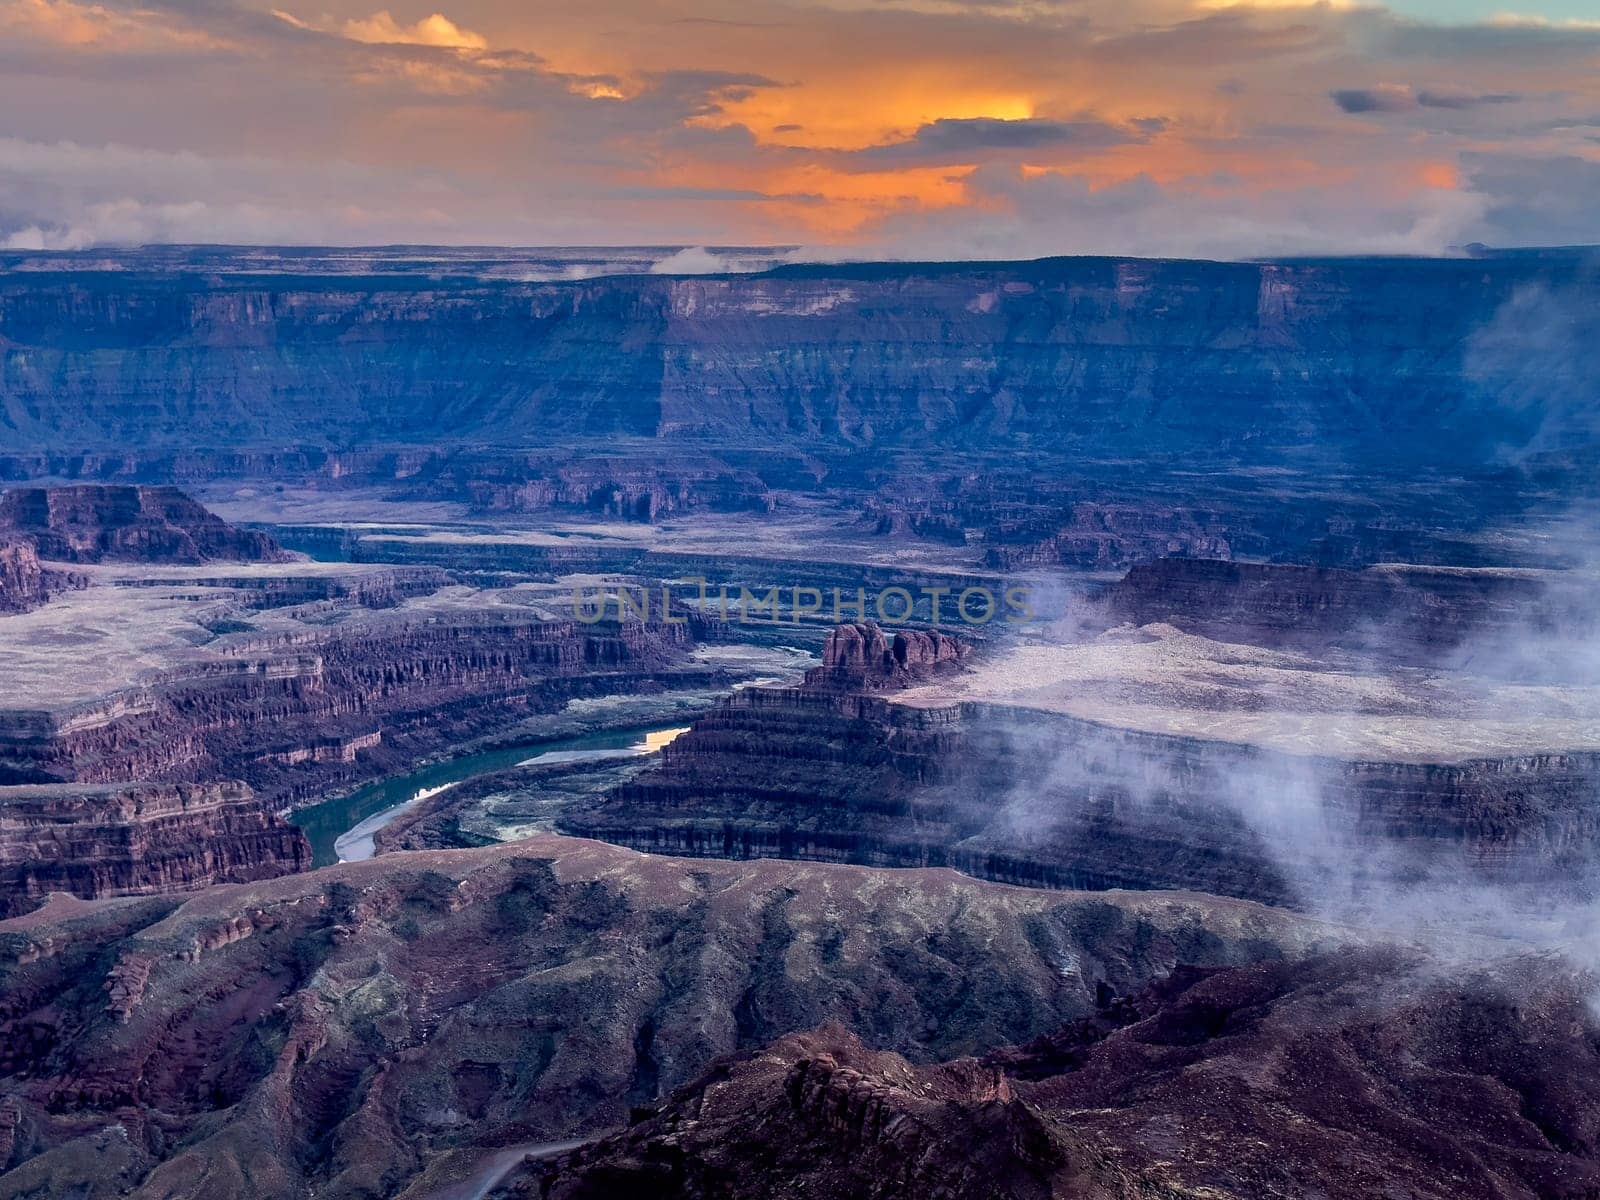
[
  {"x": 1393, "y": 98},
  {"x": 950, "y": 140},
  {"x": 1374, "y": 99}
]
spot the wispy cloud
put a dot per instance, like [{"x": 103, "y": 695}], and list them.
[{"x": 947, "y": 127}]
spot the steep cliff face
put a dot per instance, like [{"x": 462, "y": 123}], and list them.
[
  {"x": 120, "y": 523},
  {"x": 375, "y": 1026},
  {"x": 841, "y": 770},
  {"x": 1107, "y": 358},
  {"x": 1353, "y": 1075},
  {"x": 24, "y": 583},
  {"x": 137, "y": 839},
  {"x": 1407, "y": 612},
  {"x": 298, "y": 713}
]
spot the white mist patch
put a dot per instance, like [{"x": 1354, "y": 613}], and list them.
[
  {"x": 692, "y": 260},
  {"x": 1449, "y": 801}
]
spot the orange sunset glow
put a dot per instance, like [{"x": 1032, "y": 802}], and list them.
[{"x": 949, "y": 128}]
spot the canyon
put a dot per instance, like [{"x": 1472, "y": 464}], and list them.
[
  {"x": 1245, "y": 844},
  {"x": 137, "y": 839},
  {"x": 1027, "y": 762},
  {"x": 166, "y": 671}
]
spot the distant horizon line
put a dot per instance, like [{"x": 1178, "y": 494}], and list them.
[{"x": 1469, "y": 251}]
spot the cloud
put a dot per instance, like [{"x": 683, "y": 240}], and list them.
[
  {"x": 433, "y": 30},
  {"x": 1029, "y": 215},
  {"x": 1393, "y": 98},
  {"x": 98, "y": 29},
  {"x": 952, "y": 140},
  {"x": 1538, "y": 359},
  {"x": 692, "y": 260},
  {"x": 940, "y": 128},
  {"x": 1460, "y": 99},
  {"x": 381, "y": 29},
  {"x": 1386, "y": 97},
  {"x": 1535, "y": 199}
]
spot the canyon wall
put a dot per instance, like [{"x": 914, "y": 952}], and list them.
[
  {"x": 836, "y": 771},
  {"x": 120, "y": 523},
  {"x": 300, "y": 713},
  {"x": 137, "y": 839},
  {"x": 1404, "y": 612},
  {"x": 24, "y": 582},
  {"x": 1116, "y": 359}
]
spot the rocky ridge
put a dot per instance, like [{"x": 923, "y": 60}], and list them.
[
  {"x": 377, "y": 1027},
  {"x": 24, "y": 582},
  {"x": 1357, "y": 1074}
]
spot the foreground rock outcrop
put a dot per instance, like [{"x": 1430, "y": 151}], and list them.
[
  {"x": 137, "y": 839},
  {"x": 379, "y": 1027},
  {"x": 1358, "y": 1074},
  {"x": 86, "y": 523}
]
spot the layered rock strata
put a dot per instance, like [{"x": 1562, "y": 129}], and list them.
[
  {"x": 297, "y": 714},
  {"x": 1404, "y": 612},
  {"x": 118, "y": 523},
  {"x": 849, "y": 774},
  {"x": 137, "y": 839},
  {"x": 1102, "y": 358}
]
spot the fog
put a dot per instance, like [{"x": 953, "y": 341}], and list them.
[{"x": 1472, "y": 860}]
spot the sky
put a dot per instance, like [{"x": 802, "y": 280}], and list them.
[{"x": 844, "y": 128}]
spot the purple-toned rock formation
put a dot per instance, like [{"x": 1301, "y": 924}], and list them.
[
  {"x": 119, "y": 523},
  {"x": 24, "y": 582},
  {"x": 136, "y": 840}
]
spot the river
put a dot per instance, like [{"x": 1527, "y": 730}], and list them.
[{"x": 342, "y": 829}]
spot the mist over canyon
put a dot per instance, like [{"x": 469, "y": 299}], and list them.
[{"x": 1264, "y": 813}]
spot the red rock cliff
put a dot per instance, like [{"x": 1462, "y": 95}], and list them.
[{"x": 137, "y": 839}]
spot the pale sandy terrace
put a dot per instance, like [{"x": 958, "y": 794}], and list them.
[
  {"x": 797, "y": 537},
  {"x": 86, "y": 644},
  {"x": 808, "y": 530},
  {"x": 1160, "y": 680}
]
